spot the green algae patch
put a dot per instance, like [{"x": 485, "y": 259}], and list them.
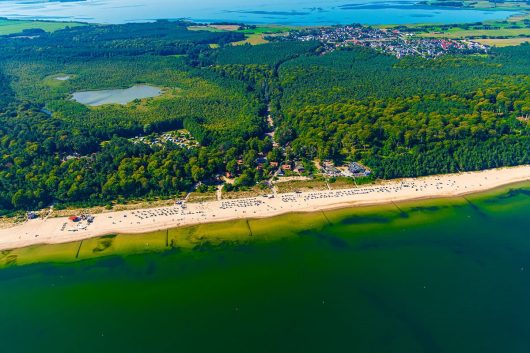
[
  {"x": 288, "y": 225},
  {"x": 60, "y": 253},
  {"x": 123, "y": 244},
  {"x": 211, "y": 234}
]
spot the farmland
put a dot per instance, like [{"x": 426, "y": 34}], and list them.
[{"x": 8, "y": 27}]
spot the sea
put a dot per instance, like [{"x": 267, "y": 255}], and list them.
[
  {"x": 283, "y": 12},
  {"x": 428, "y": 276}
]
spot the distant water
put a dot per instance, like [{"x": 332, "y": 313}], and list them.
[
  {"x": 434, "y": 276},
  {"x": 116, "y": 96},
  {"x": 287, "y": 12}
]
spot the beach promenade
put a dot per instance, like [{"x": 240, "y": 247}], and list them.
[{"x": 60, "y": 230}]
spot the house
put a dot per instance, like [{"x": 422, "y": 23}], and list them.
[
  {"x": 359, "y": 170},
  {"x": 286, "y": 167},
  {"x": 274, "y": 164},
  {"x": 299, "y": 167},
  {"x": 329, "y": 169}
]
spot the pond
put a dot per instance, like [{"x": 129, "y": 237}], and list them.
[{"x": 116, "y": 96}]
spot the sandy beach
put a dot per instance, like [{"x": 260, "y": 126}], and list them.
[{"x": 61, "y": 230}]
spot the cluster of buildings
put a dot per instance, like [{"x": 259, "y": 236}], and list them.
[
  {"x": 390, "y": 41},
  {"x": 358, "y": 170},
  {"x": 353, "y": 169},
  {"x": 288, "y": 166},
  {"x": 181, "y": 138},
  {"x": 272, "y": 167}
]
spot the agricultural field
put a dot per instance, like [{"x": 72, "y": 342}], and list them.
[
  {"x": 504, "y": 42},
  {"x": 481, "y": 4},
  {"x": 513, "y": 31},
  {"x": 458, "y": 33},
  {"x": 508, "y": 5},
  {"x": 8, "y": 27},
  {"x": 253, "y": 36}
]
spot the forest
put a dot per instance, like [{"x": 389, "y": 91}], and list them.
[
  {"x": 409, "y": 117},
  {"x": 400, "y": 117}
]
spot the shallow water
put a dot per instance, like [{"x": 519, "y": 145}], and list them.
[
  {"x": 116, "y": 96},
  {"x": 293, "y": 12},
  {"x": 433, "y": 276}
]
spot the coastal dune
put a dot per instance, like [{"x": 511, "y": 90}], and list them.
[{"x": 62, "y": 230}]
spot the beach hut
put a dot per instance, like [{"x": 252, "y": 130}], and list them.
[{"x": 74, "y": 219}]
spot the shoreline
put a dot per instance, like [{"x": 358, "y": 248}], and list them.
[{"x": 62, "y": 230}]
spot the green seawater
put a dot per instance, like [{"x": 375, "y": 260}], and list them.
[{"x": 432, "y": 276}]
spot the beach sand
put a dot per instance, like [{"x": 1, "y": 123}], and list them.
[{"x": 62, "y": 230}]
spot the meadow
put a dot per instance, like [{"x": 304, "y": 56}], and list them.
[
  {"x": 8, "y": 27},
  {"x": 254, "y": 35}
]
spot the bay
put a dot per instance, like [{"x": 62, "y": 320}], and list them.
[
  {"x": 427, "y": 276},
  {"x": 293, "y": 12}
]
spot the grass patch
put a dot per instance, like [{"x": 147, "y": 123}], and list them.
[
  {"x": 254, "y": 192},
  {"x": 8, "y": 27},
  {"x": 504, "y": 42},
  {"x": 206, "y": 28},
  {"x": 458, "y": 33},
  {"x": 301, "y": 185},
  {"x": 202, "y": 197},
  {"x": 253, "y": 39},
  {"x": 341, "y": 183},
  {"x": 254, "y": 36}
]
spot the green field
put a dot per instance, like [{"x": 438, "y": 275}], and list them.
[
  {"x": 496, "y": 33},
  {"x": 254, "y": 36},
  {"x": 482, "y": 5},
  {"x": 457, "y": 32},
  {"x": 14, "y": 26},
  {"x": 504, "y": 42},
  {"x": 508, "y": 5}
]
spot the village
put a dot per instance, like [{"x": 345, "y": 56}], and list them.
[{"x": 390, "y": 41}]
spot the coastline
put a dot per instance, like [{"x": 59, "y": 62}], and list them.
[{"x": 62, "y": 230}]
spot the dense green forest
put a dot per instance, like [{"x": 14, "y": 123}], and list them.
[
  {"x": 412, "y": 116},
  {"x": 401, "y": 117}
]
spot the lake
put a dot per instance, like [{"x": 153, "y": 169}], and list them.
[
  {"x": 116, "y": 96},
  {"x": 294, "y": 12},
  {"x": 432, "y": 276}
]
